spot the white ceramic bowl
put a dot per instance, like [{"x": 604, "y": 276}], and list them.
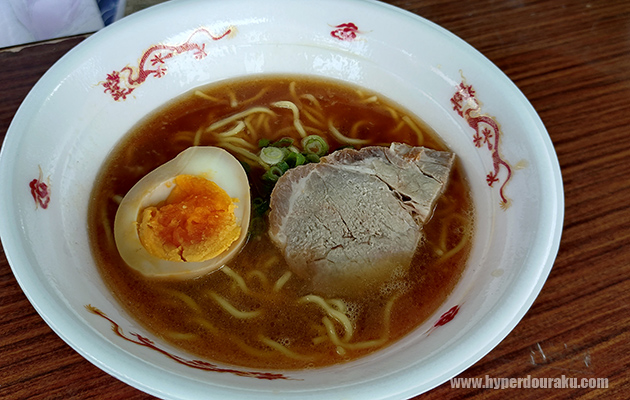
[{"x": 76, "y": 113}]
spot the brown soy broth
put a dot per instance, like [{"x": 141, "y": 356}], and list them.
[{"x": 188, "y": 314}]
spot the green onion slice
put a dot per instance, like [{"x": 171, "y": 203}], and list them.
[
  {"x": 315, "y": 144},
  {"x": 295, "y": 159},
  {"x": 272, "y": 155}
]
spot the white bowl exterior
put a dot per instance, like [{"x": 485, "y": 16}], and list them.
[{"x": 67, "y": 125}]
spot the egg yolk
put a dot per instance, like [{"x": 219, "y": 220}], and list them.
[{"x": 195, "y": 223}]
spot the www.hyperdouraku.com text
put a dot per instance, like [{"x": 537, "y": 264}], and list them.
[{"x": 563, "y": 382}]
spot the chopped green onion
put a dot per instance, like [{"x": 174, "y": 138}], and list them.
[
  {"x": 275, "y": 172},
  {"x": 284, "y": 167},
  {"x": 312, "y": 158},
  {"x": 272, "y": 155},
  {"x": 264, "y": 142},
  {"x": 315, "y": 144},
  {"x": 293, "y": 149},
  {"x": 259, "y": 206},
  {"x": 284, "y": 142},
  {"x": 295, "y": 159}
]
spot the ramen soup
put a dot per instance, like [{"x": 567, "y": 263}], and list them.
[{"x": 254, "y": 311}]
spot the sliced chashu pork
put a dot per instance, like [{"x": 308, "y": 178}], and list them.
[{"x": 349, "y": 222}]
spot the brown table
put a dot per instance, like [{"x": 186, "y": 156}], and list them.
[{"x": 571, "y": 58}]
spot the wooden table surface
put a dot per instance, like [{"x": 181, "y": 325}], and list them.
[{"x": 571, "y": 58}]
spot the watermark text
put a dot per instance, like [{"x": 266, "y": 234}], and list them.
[{"x": 529, "y": 382}]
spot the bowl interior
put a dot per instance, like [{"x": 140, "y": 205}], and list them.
[{"x": 80, "y": 110}]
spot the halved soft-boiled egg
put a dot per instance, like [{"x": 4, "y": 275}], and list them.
[{"x": 187, "y": 217}]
